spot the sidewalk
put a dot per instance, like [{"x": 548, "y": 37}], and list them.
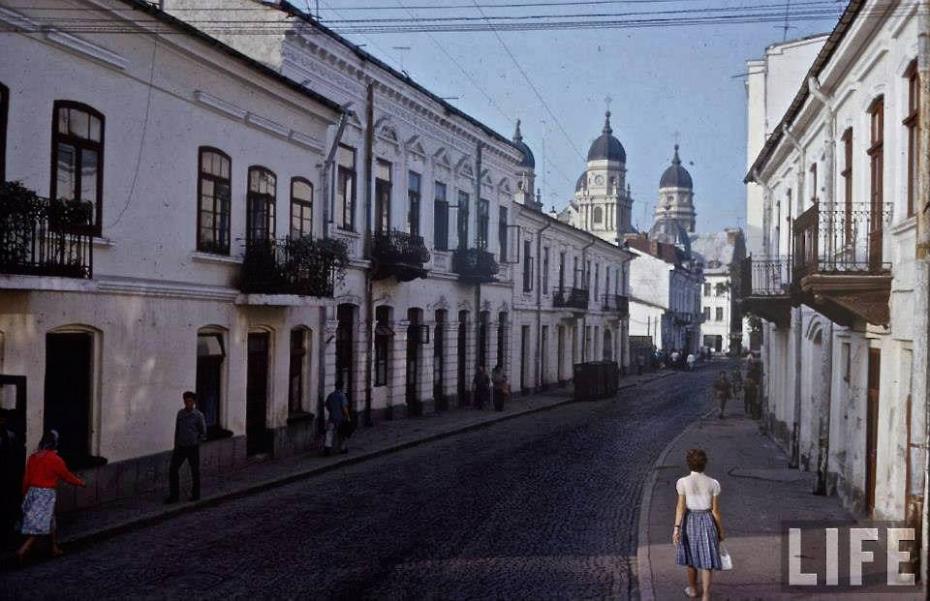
[
  {"x": 759, "y": 491},
  {"x": 97, "y": 523}
]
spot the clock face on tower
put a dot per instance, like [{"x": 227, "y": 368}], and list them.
[{"x": 599, "y": 180}]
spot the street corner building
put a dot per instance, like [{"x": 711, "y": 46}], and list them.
[
  {"x": 256, "y": 218},
  {"x": 835, "y": 186}
]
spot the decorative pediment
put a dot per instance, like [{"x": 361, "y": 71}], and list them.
[
  {"x": 354, "y": 121},
  {"x": 441, "y": 159},
  {"x": 442, "y": 303},
  {"x": 464, "y": 168},
  {"x": 414, "y": 147},
  {"x": 503, "y": 186},
  {"x": 464, "y": 305},
  {"x": 388, "y": 134},
  {"x": 486, "y": 179}
]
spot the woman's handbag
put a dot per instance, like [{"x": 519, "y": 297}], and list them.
[{"x": 726, "y": 562}]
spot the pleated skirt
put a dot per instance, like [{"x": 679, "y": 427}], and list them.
[{"x": 700, "y": 546}]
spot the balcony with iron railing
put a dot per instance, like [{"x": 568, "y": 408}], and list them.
[
  {"x": 571, "y": 298},
  {"x": 398, "y": 254},
  {"x": 475, "y": 265},
  {"x": 617, "y": 303},
  {"x": 765, "y": 288},
  {"x": 42, "y": 237},
  {"x": 838, "y": 262},
  {"x": 291, "y": 266}
]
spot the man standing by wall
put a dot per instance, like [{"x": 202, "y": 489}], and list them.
[
  {"x": 337, "y": 405},
  {"x": 189, "y": 430}
]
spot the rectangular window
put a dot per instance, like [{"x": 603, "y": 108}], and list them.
[
  {"x": 77, "y": 157},
  {"x": 260, "y": 209},
  {"x": 301, "y": 208},
  {"x": 382, "y": 196},
  {"x": 587, "y": 274},
  {"x": 527, "y": 266},
  {"x": 463, "y": 219},
  {"x": 345, "y": 188},
  {"x": 912, "y": 123},
  {"x": 719, "y": 314},
  {"x": 413, "y": 202},
  {"x": 298, "y": 367},
  {"x": 383, "y": 337},
  {"x": 597, "y": 280},
  {"x": 561, "y": 270},
  {"x": 214, "y": 202},
  {"x": 484, "y": 222},
  {"x": 545, "y": 271},
  {"x": 814, "y": 183},
  {"x": 441, "y": 218},
  {"x": 502, "y": 233},
  {"x": 706, "y": 288},
  {"x": 847, "y": 175},
  {"x": 876, "y": 178},
  {"x": 706, "y": 313},
  {"x": 574, "y": 272}
]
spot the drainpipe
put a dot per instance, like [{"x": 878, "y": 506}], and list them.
[
  {"x": 922, "y": 278},
  {"x": 366, "y": 249},
  {"x": 539, "y": 374},
  {"x": 829, "y": 195},
  {"x": 795, "y": 459},
  {"x": 584, "y": 319},
  {"x": 478, "y": 162}
]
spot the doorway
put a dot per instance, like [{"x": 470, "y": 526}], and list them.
[
  {"x": 68, "y": 375},
  {"x": 413, "y": 362},
  {"x": 439, "y": 367},
  {"x": 463, "y": 358},
  {"x": 257, "y": 436},
  {"x": 871, "y": 427}
]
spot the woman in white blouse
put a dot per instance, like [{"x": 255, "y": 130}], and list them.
[{"x": 698, "y": 526}]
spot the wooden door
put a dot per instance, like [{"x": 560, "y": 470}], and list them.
[
  {"x": 256, "y": 394},
  {"x": 68, "y": 365},
  {"x": 871, "y": 428}
]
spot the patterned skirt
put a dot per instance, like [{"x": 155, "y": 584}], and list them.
[
  {"x": 699, "y": 547},
  {"x": 38, "y": 511}
]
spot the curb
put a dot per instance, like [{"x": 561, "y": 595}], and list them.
[
  {"x": 643, "y": 560},
  {"x": 83, "y": 540}
]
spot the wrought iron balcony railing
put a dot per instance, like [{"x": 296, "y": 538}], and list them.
[
  {"x": 44, "y": 237},
  {"x": 474, "y": 265},
  {"x": 572, "y": 298},
  {"x": 843, "y": 239},
  {"x": 765, "y": 276},
  {"x": 617, "y": 303},
  {"x": 300, "y": 266},
  {"x": 398, "y": 254}
]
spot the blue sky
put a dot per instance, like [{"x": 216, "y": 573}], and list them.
[{"x": 683, "y": 81}]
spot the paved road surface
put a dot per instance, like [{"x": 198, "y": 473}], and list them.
[{"x": 538, "y": 508}]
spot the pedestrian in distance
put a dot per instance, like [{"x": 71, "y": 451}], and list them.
[
  {"x": 691, "y": 361},
  {"x": 723, "y": 391},
  {"x": 482, "y": 386},
  {"x": 501, "y": 387},
  {"x": 190, "y": 428},
  {"x": 337, "y": 408},
  {"x": 44, "y": 470},
  {"x": 698, "y": 529}
]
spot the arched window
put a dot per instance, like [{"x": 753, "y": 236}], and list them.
[
  {"x": 77, "y": 157},
  {"x": 301, "y": 208},
  {"x": 261, "y": 200},
  {"x": 598, "y": 215},
  {"x": 213, "y": 192},
  {"x": 384, "y": 335}
]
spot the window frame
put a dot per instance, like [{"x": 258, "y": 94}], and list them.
[
  {"x": 912, "y": 123},
  {"x": 545, "y": 270},
  {"x": 300, "y": 356},
  {"x": 440, "y": 216},
  {"x": 847, "y": 175},
  {"x": 346, "y": 183},
  {"x": 80, "y": 144},
  {"x": 483, "y": 223},
  {"x": 876, "y": 154},
  {"x": 4, "y": 120},
  {"x": 270, "y": 200},
  {"x": 502, "y": 233},
  {"x": 218, "y": 249},
  {"x": 527, "y": 266},
  {"x": 384, "y": 190},
  {"x": 303, "y": 205},
  {"x": 462, "y": 209}
]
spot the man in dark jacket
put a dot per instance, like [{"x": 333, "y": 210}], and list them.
[
  {"x": 190, "y": 428},
  {"x": 482, "y": 386},
  {"x": 337, "y": 406}
]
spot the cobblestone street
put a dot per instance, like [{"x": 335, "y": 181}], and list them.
[{"x": 540, "y": 507}]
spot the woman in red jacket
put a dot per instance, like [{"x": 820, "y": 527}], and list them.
[{"x": 43, "y": 472}]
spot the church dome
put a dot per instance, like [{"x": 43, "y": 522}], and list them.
[
  {"x": 529, "y": 161},
  {"x": 676, "y": 176},
  {"x": 667, "y": 230},
  {"x": 606, "y": 147},
  {"x": 582, "y": 183}
]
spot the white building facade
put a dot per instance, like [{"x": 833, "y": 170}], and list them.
[
  {"x": 720, "y": 256},
  {"x": 835, "y": 279}
]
